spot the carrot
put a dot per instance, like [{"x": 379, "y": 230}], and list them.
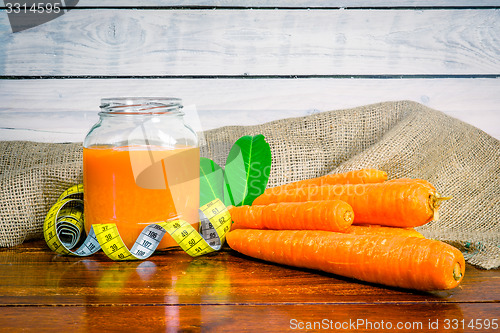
[
  {"x": 391, "y": 203},
  {"x": 377, "y": 229},
  {"x": 333, "y": 215},
  {"x": 436, "y": 201},
  {"x": 413, "y": 180},
  {"x": 406, "y": 262},
  {"x": 362, "y": 176}
]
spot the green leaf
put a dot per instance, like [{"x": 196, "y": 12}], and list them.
[
  {"x": 211, "y": 181},
  {"x": 227, "y": 196},
  {"x": 247, "y": 170}
]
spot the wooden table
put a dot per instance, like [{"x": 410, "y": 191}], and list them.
[{"x": 222, "y": 291}]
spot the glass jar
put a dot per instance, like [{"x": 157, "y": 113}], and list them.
[{"x": 140, "y": 166}]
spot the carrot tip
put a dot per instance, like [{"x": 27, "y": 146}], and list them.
[
  {"x": 348, "y": 216},
  {"x": 437, "y": 199},
  {"x": 457, "y": 272}
]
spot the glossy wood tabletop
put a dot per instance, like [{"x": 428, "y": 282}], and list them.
[{"x": 222, "y": 291}]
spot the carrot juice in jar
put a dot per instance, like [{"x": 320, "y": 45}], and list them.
[{"x": 140, "y": 166}]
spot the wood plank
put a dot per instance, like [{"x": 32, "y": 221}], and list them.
[
  {"x": 243, "y": 317},
  {"x": 64, "y": 110},
  {"x": 31, "y": 274},
  {"x": 291, "y": 3},
  {"x": 255, "y": 42}
]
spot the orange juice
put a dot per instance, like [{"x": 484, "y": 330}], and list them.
[{"x": 134, "y": 186}]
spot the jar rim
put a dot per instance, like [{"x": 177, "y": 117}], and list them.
[{"x": 141, "y": 105}]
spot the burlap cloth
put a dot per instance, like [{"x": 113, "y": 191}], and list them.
[{"x": 404, "y": 138}]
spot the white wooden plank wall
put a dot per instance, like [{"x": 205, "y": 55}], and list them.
[
  {"x": 291, "y": 3},
  {"x": 247, "y": 62}
]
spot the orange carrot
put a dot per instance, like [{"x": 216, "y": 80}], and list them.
[
  {"x": 391, "y": 203},
  {"x": 406, "y": 262},
  {"x": 435, "y": 200},
  {"x": 413, "y": 180},
  {"x": 333, "y": 215},
  {"x": 380, "y": 230},
  {"x": 362, "y": 176}
]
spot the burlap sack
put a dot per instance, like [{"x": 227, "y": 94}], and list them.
[{"x": 405, "y": 139}]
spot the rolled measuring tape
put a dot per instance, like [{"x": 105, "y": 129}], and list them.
[{"x": 63, "y": 230}]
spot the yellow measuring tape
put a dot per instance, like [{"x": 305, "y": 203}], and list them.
[{"x": 64, "y": 227}]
